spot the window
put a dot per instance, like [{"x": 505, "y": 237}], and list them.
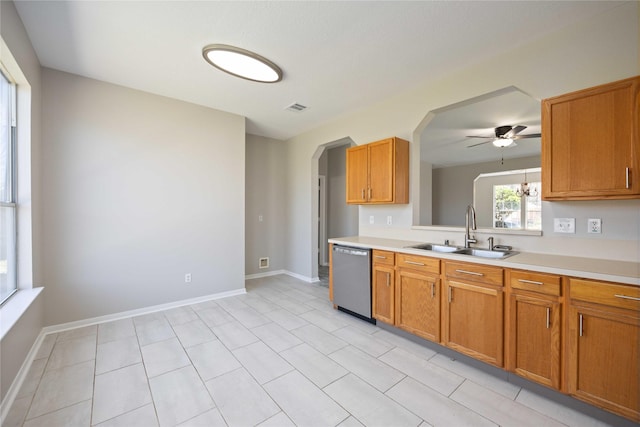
[
  {"x": 8, "y": 265},
  {"x": 513, "y": 211}
]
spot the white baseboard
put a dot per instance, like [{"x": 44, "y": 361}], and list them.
[
  {"x": 140, "y": 311},
  {"x": 5, "y": 406},
  {"x": 10, "y": 397},
  {"x": 287, "y": 272}
]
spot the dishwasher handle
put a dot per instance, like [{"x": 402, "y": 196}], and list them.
[{"x": 350, "y": 251}]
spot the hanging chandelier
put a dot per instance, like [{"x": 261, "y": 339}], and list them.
[{"x": 525, "y": 189}]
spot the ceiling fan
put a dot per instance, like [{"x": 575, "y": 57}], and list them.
[{"x": 505, "y": 135}]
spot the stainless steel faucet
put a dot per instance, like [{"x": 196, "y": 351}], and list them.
[{"x": 469, "y": 222}]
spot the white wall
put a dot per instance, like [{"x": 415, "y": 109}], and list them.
[
  {"x": 576, "y": 57},
  {"x": 138, "y": 190},
  {"x": 265, "y": 196}
]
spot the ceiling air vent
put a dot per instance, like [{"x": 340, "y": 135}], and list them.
[{"x": 296, "y": 108}]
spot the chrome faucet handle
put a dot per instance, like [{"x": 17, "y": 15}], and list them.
[
  {"x": 490, "y": 240},
  {"x": 502, "y": 248},
  {"x": 446, "y": 242}
]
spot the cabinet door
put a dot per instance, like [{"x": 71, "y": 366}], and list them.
[
  {"x": 534, "y": 347},
  {"x": 590, "y": 143},
  {"x": 357, "y": 174},
  {"x": 604, "y": 359},
  {"x": 381, "y": 171},
  {"x": 418, "y": 304},
  {"x": 383, "y": 293},
  {"x": 473, "y": 320}
]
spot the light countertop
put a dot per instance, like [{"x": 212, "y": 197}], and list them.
[{"x": 588, "y": 268}]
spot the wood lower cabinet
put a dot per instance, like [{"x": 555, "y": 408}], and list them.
[
  {"x": 533, "y": 326},
  {"x": 383, "y": 286},
  {"x": 418, "y": 296},
  {"x": 604, "y": 345},
  {"x": 473, "y": 311},
  {"x": 590, "y": 143},
  {"x": 378, "y": 173}
]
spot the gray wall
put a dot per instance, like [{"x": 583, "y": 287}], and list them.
[
  {"x": 453, "y": 187},
  {"x": 138, "y": 190},
  {"x": 342, "y": 218},
  {"x": 16, "y": 344},
  {"x": 265, "y": 180}
]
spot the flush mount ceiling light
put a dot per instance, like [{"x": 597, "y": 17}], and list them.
[{"x": 242, "y": 63}]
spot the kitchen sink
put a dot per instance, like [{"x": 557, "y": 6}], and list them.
[
  {"x": 485, "y": 253},
  {"x": 481, "y": 253},
  {"x": 435, "y": 247}
]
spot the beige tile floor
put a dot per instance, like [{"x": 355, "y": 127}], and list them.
[{"x": 278, "y": 356}]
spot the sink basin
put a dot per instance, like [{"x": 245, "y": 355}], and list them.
[
  {"x": 436, "y": 248},
  {"x": 485, "y": 253}
]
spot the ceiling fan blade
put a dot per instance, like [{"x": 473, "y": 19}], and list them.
[
  {"x": 531, "y": 135},
  {"x": 478, "y": 136},
  {"x": 514, "y": 131},
  {"x": 480, "y": 143}
]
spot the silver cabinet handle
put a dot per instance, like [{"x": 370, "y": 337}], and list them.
[
  {"x": 627, "y": 177},
  {"x": 363, "y": 194},
  {"x": 627, "y": 297},
  {"x": 581, "y": 321},
  {"x": 531, "y": 282},
  {"x": 433, "y": 290},
  {"x": 414, "y": 263},
  {"x": 469, "y": 272},
  {"x": 381, "y": 256},
  {"x": 548, "y": 316},
  {"x": 450, "y": 298},
  {"x": 369, "y": 193}
]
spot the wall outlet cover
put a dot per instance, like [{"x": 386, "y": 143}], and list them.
[
  {"x": 371, "y": 219},
  {"x": 564, "y": 225},
  {"x": 389, "y": 220},
  {"x": 594, "y": 225}
]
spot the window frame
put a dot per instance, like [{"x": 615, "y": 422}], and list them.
[{"x": 11, "y": 176}]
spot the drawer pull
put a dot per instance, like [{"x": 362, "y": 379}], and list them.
[
  {"x": 530, "y": 282},
  {"x": 414, "y": 263},
  {"x": 470, "y": 272},
  {"x": 627, "y": 297},
  {"x": 450, "y": 298},
  {"x": 381, "y": 256},
  {"x": 433, "y": 290}
]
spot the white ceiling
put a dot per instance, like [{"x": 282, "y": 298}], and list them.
[{"x": 337, "y": 56}]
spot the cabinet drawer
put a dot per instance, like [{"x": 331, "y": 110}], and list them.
[
  {"x": 474, "y": 272},
  {"x": 536, "y": 282},
  {"x": 419, "y": 263},
  {"x": 384, "y": 257},
  {"x": 622, "y": 296}
]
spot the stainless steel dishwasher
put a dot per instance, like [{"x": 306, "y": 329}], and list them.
[{"x": 352, "y": 281}]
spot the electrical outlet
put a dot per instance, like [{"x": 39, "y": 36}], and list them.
[
  {"x": 389, "y": 220},
  {"x": 564, "y": 225},
  {"x": 594, "y": 225},
  {"x": 260, "y": 218},
  {"x": 371, "y": 219},
  {"x": 187, "y": 278}
]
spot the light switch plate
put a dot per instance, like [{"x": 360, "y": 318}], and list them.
[{"x": 564, "y": 225}]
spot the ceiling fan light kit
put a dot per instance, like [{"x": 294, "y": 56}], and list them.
[{"x": 502, "y": 142}]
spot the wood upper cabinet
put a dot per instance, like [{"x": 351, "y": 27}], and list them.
[
  {"x": 378, "y": 173},
  {"x": 604, "y": 345},
  {"x": 533, "y": 326},
  {"x": 590, "y": 143},
  {"x": 473, "y": 311},
  {"x": 418, "y": 295},
  {"x": 383, "y": 284}
]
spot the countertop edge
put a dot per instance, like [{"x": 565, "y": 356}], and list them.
[{"x": 598, "y": 269}]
